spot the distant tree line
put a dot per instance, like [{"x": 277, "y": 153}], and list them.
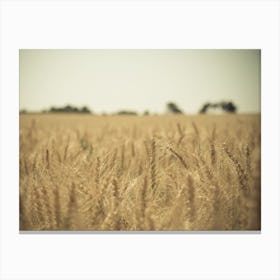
[
  {"x": 227, "y": 107},
  {"x": 173, "y": 108},
  {"x": 125, "y": 112},
  {"x": 69, "y": 109}
]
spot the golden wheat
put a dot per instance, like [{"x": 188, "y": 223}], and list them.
[{"x": 170, "y": 172}]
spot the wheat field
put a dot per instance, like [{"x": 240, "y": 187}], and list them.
[{"x": 134, "y": 173}]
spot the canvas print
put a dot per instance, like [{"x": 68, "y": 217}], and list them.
[{"x": 140, "y": 140}]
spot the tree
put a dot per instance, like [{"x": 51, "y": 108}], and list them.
[
  {"x": 227, "y": 107},
  {"x": 173, "y": 108},
  {"x": 204, "y": 109},
  {"x": 85, "y": 110}
]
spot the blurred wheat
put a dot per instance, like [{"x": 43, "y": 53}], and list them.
[{"x": 139, "y": 173}]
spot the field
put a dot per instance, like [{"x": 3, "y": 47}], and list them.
[{"x": 133, "y": 173}]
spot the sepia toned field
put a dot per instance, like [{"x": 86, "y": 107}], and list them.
[{"x": 133, "y": 173}]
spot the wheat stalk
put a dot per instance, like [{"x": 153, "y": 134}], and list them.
[
  {"x": 169, "y": 148},
  {"x": 242, "y": 176},
  {"x": 153, "y": 165}
]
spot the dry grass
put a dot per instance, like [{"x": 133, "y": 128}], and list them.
[{"x": 139, "y": 173}]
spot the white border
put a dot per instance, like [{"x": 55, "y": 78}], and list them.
[{"x": 135, "y": 24}]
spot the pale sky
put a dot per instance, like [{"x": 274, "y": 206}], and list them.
[{"x": 139, "y": 80}]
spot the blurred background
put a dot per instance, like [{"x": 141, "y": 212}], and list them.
[{"x": 140, "y": 81}]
